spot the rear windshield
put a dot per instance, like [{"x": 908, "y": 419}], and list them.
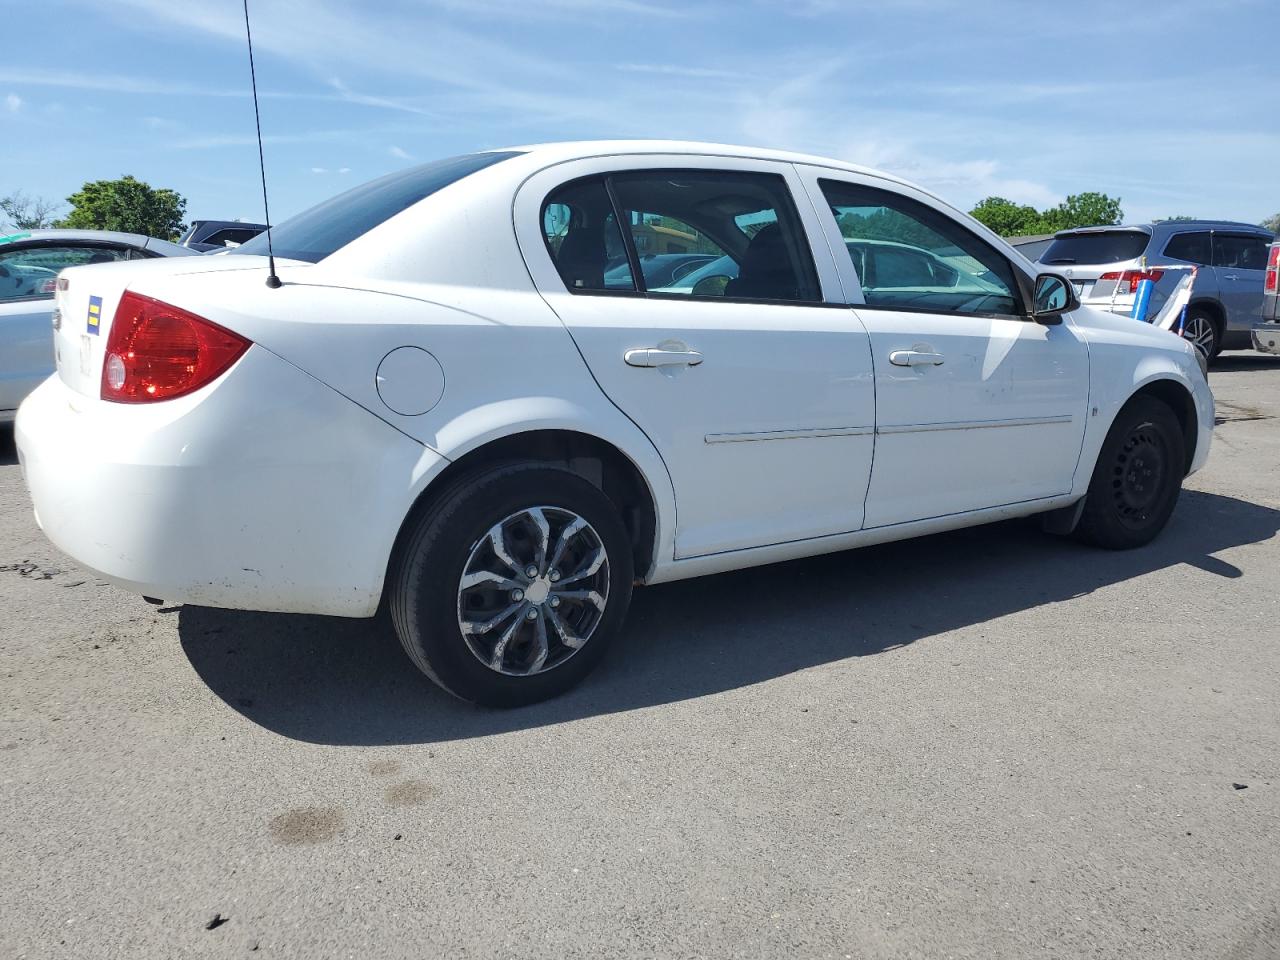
[
  {"x": 1110, "y": 246},
  {"x": 318, "y": 232}
]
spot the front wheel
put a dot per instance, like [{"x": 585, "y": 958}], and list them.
[
  {"x": 510, "y": 587},
  {"x": 1137, "y": 478}
]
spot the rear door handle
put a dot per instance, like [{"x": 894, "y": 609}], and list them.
[
  {"x": 914, "y": 358},
  {"x": 1231, "y": 276},
  {"x": 661, "y": 357}
]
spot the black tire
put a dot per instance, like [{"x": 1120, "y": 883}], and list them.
[
  {"x": 1201, "y": 328},
  {"x": 425, "y": 579},
  {"x": 1137, "y": 478}
]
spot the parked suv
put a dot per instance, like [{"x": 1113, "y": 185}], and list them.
[{"x": 1106, "y": 264}]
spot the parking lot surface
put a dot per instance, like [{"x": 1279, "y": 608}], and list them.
[{"x": 984, "y": 744}]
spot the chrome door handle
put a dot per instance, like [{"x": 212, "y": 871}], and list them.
[
  {"x": 1231, "y": 276},
  {"x": 914, "y": 358},
  {"x": 660, "y": 357}
]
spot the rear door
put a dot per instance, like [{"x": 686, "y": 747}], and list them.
[
  {"x": 28, "y": 274},
  {"x": 976, "y": 406},
  {"x": 1240, "y": 261},
  {"x": 756, "y": 391}
]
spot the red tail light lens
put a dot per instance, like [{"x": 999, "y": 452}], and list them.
[
  {"x": 1127, "y": 280},
  {"x": 1273, "y": 270},
  {"x": 156, "y": 351}
]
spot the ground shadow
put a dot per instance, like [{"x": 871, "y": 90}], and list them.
[
  {"x": 8, "y": 448},
  {"x": 1227, "y": 362},
  {"x": 347, "y": 682}
]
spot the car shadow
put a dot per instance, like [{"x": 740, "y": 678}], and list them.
[
  {"x": 8, "y": 446},
  {"x": 1226, "y": 362},
  {"x": 337, "y": 681}
]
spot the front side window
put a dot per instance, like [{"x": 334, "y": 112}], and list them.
[
  {"x": 740, "y": 232},
  {"x": 910, "y": 257},
  {"x": 1191, "y": 247},
  {"x": 29, "y": 273},
  {"x": 1241, "y": 252}
]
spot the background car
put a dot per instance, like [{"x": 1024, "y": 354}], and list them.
[
  {"x": 206, "y": 235},
  {"x": 29, "y": 266},
  {"x": 1032, "y": 247},
  {"x": 660, "y": 269},
  {"x": 1106, "y": 264}
]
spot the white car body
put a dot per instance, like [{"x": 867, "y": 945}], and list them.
[{"x": 284, "y": 484}]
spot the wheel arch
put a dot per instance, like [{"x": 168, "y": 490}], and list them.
[
  {"x": 599, "y": 461},
  {"x": 1215, "y": 310}
]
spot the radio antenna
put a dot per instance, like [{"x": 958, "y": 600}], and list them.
[{"x": 273, "y": 281}]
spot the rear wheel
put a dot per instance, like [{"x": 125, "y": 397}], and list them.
[
  {"x": 1201, "y": 329},
  {"x": 1137, "y": 478},
  {"x": 510, "y": 588}
]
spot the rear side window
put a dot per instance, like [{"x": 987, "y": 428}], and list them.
[
  {"x": 909, "y": 256},
  {"x": 318, "y": 232},
  {"x": 1191, "y": 247},
  {"x": 29, "y": 274},
  {"x": 740, "y": 228},
  {"x": 237, "y": 235},
  {"x": 584, "y": 239},
  {"x": 1106, "y": 246},
  {"x": 1241, "y": 252}
]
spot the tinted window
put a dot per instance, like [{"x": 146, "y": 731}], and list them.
[
  {"x": 1192, "y": 247},
  {"x": 1107, "y": 246},
  {"x": 318, "y": 232},
  {"x": 584, "y": 238},
  {"x": 908, "y": 255},
  {"x": 30, "y": 273},
  {"x": 743, "y": 219},
  {"x": 238, "y": 235},
  {"x": 1240, "y": 252}
]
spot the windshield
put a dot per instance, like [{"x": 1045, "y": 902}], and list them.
[
  {"x": 318, "y": 232},
  {"x": 1110, "y": 246}
]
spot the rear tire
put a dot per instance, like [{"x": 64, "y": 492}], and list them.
[
  {"x": 1201, "y": 329},
  {"x": 1137, "y": 478},
  {"x": 466, "y": 603}
]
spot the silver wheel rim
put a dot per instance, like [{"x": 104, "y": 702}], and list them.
[
  {"x": 1199, "y": 331},
  {"x": 533, "y": 591}
]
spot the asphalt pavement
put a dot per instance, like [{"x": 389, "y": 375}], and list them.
[{"x": 986, "y": 744}]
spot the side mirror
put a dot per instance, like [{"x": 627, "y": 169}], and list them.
[{"x": 1053, "y": 298}]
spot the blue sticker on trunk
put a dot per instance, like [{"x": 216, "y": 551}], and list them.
[{"x": 95, "y": 314}]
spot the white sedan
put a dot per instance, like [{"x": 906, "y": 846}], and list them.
[{"x": 458, "y": 406}]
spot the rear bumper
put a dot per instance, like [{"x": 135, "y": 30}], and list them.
[
  {"x": 264, "y": 491},
  {"x": 1266, "y": 337}
]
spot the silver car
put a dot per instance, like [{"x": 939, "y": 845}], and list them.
[
  {"x": 1106, "y": 265},
  {"x": 29, "y": 265}
]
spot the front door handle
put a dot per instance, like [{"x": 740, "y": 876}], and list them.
[
  {"x": 662, "y": 357},
  {"x": 914, "y": 358}
]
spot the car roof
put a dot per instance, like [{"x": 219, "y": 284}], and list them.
[
  {"x": 581, "y": 149},
  {"x": 1168, "y": 226},
  {"x": 139, "y": 241}
]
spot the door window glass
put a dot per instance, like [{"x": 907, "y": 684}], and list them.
[
  {"x": 584, "y": 239},
  {"x": 740, "y": 228},
  {"x": 1191, "y": 247},
  {"x": 29, "y": 274},
  {"x": 911, "y": 257},
  {"x": 1239, "y": 252}
]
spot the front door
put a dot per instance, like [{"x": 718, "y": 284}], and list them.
[
  {"x": 977, "y": 406},
  {"x": 758, "y": 395}
]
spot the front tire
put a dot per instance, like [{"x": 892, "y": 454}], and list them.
[
  {"x": 1137, "y": 478},
  {"x": 510, "y": 588}
]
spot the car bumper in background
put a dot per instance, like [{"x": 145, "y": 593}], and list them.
[
  {"x": 1266, "y": 337},
  {"x": 265, "y": 491}
]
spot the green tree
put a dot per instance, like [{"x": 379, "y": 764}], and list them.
[
  {"x": 1011, "y": 219},
  {"x": 1272, "y": 223},
  {"x": 129, "y": 205},
  {"x": 27, "y": 213},
  {"x": 1178, "y": 219}
]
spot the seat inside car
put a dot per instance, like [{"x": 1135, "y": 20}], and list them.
[
  {"x": 765, "y": 272},
  {"x": 581, "y": 258}
]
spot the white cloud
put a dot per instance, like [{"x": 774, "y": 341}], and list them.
[
  {"x": 399, "y": 153},
  {"x": 13, "y": 102},
  {"x": 319, "y": 170},
  {"x": 344, "y": 169}
]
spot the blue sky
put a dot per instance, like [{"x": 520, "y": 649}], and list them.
[{"x": 1171, "y": 106}]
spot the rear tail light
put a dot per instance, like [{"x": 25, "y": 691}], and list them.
[
  {"x": 1273, "y": 270},
  {"x": 156, "y": 351},
  {"x": 1127, "y": 280}
]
